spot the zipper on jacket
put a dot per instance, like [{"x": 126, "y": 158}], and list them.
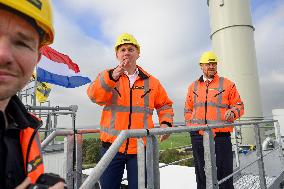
[
  {"x": 207, "y": 84},
  {"x": 129, "y": 118}
]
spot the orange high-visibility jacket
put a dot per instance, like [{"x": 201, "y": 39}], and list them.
[
  {"x": 31, "y": 149},
  {"x": 207, "y": 105},
  {"x": 28, "y": 125},
  {"x": 129, "y": 108}
]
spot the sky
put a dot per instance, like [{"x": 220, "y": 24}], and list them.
[{"x": 172, "y": 37}]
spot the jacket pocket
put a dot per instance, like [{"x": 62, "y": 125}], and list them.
[{"x": 146, "y": 93}]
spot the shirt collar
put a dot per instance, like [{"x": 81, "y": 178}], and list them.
[
  {"x": 135, "y": 73},
  {"x": 205, "y": 79}
]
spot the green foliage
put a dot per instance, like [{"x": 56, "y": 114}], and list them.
[
  {"x": 176, "y": 140},
  {"x": 172, "y": 155},
  {"x": 169, "y": 153},
  {"x": 91, "y": 150}
]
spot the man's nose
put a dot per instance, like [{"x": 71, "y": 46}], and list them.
[{"x": 5, "y": 51}]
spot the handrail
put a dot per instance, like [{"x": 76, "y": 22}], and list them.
[
  {"x": 71, "y": 173},
  {"x": 65, "y": 133},
  {"x": 106, "y": 159}
]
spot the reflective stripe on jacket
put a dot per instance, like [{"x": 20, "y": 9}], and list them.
[
  {"x": 32, "y": 156},
  {"x": 129, "y": 108},
  {"x": 207, "y": 105}
]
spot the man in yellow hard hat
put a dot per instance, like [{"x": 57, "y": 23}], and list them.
[
  {"x": 212, "y": 100},
  {"x": 25, "y": 26},
  {"x": 129, "y": 95}
]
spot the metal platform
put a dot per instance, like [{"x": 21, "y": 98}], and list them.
[{"x": 249, "y": 181}]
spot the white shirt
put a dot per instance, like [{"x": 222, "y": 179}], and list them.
[
  {"x": 205, "y": 79},
  {"x": 132, "y": 77}
]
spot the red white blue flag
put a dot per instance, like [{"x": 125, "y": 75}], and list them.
[{"x": 59, "y": 69}]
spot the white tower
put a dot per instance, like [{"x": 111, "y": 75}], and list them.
[{"x": 232, "y": 37}]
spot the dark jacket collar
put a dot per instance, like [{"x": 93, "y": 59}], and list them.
[
  {"x": 19, "y": 114},
  {"x": 202, "y": 80},
  {"x": 142, "y": 74}
]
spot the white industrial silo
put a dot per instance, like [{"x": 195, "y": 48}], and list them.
[{"x": 232, "y": 35}]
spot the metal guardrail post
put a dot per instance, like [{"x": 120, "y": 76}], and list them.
[
  {"x": 141, "y": 163},
  {"x": 150, "y": 163},
  {"x": 156, "y": 162},
  {"x": 68, "y": 151},
  {"x": 260, "y": 157},
  {"x": 236, "y": 147},
  {"x": 151, "y": 153},
  {"x": 210, "y": 160},
  {"x": 78, "y": 179}
]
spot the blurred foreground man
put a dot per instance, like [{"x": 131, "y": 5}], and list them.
[
  {"x": 25, "y": 26},
  {"x": 212, "y": 100},
  {"x": 129, "y": 95}
]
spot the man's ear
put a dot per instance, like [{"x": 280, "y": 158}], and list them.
[{"x": 39, "y": 56}]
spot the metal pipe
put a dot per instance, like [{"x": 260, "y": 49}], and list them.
[
  {"x": 104, "y": 162},
  {"x": 68, "y": 148},
  {"x": 267, "y": 142},
  {"x": 210, "y": 168},
  {"x": 260, "y": 158},
  {"x": 106, "y": 159},
  {"x": 236, "y": 147},
  {"x": 79, "y": 144},
  {"x": 156, "y": 163},
  {"x": 141, "y": 163},
  {"x": 53, "y": 135},
  {"x": 150, "y": 163},
  {"x": 71, "y": 108}
]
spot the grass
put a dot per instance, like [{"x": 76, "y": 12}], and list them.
[{"x": 175, "y": 140}]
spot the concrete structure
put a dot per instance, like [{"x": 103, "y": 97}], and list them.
[
  {"x": 54, "y": 160},
  {"x": 232, "y": 37},
  {"x": 278, "y": 114}
]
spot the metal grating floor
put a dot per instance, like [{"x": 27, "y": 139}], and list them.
[{"x": 249, "y": 181}]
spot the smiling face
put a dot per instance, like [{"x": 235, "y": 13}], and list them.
[
  {"x": 209, "y": 69},
  {"x": 19, "y": 53}
]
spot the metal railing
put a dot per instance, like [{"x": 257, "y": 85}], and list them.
[
  {"x": 152, "y": 155},
  {"x": 73, "y": 152}
]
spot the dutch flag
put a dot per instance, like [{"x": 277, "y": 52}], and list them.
[{"x": 59, "y": 69}]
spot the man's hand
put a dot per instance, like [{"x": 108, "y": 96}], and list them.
[
  {"x": 118, "y": 71},
  {"x": 24, "y": 184},
  {"x": 166, "y": 136},
  {"x": 229, "y": 115},
  {"x": 59, "y": 185}
]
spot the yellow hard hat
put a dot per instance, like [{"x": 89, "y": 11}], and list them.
[
  {"x": 126, "y": 38},
  {"x": 208, "y": 57},
  {"x": 38, "y": 10}
]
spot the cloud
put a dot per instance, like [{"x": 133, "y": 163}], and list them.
[
  {"x": 172, "y": 36},
  {"x": 269, "y": 41},
  {"x": 169, "y": 35}
]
